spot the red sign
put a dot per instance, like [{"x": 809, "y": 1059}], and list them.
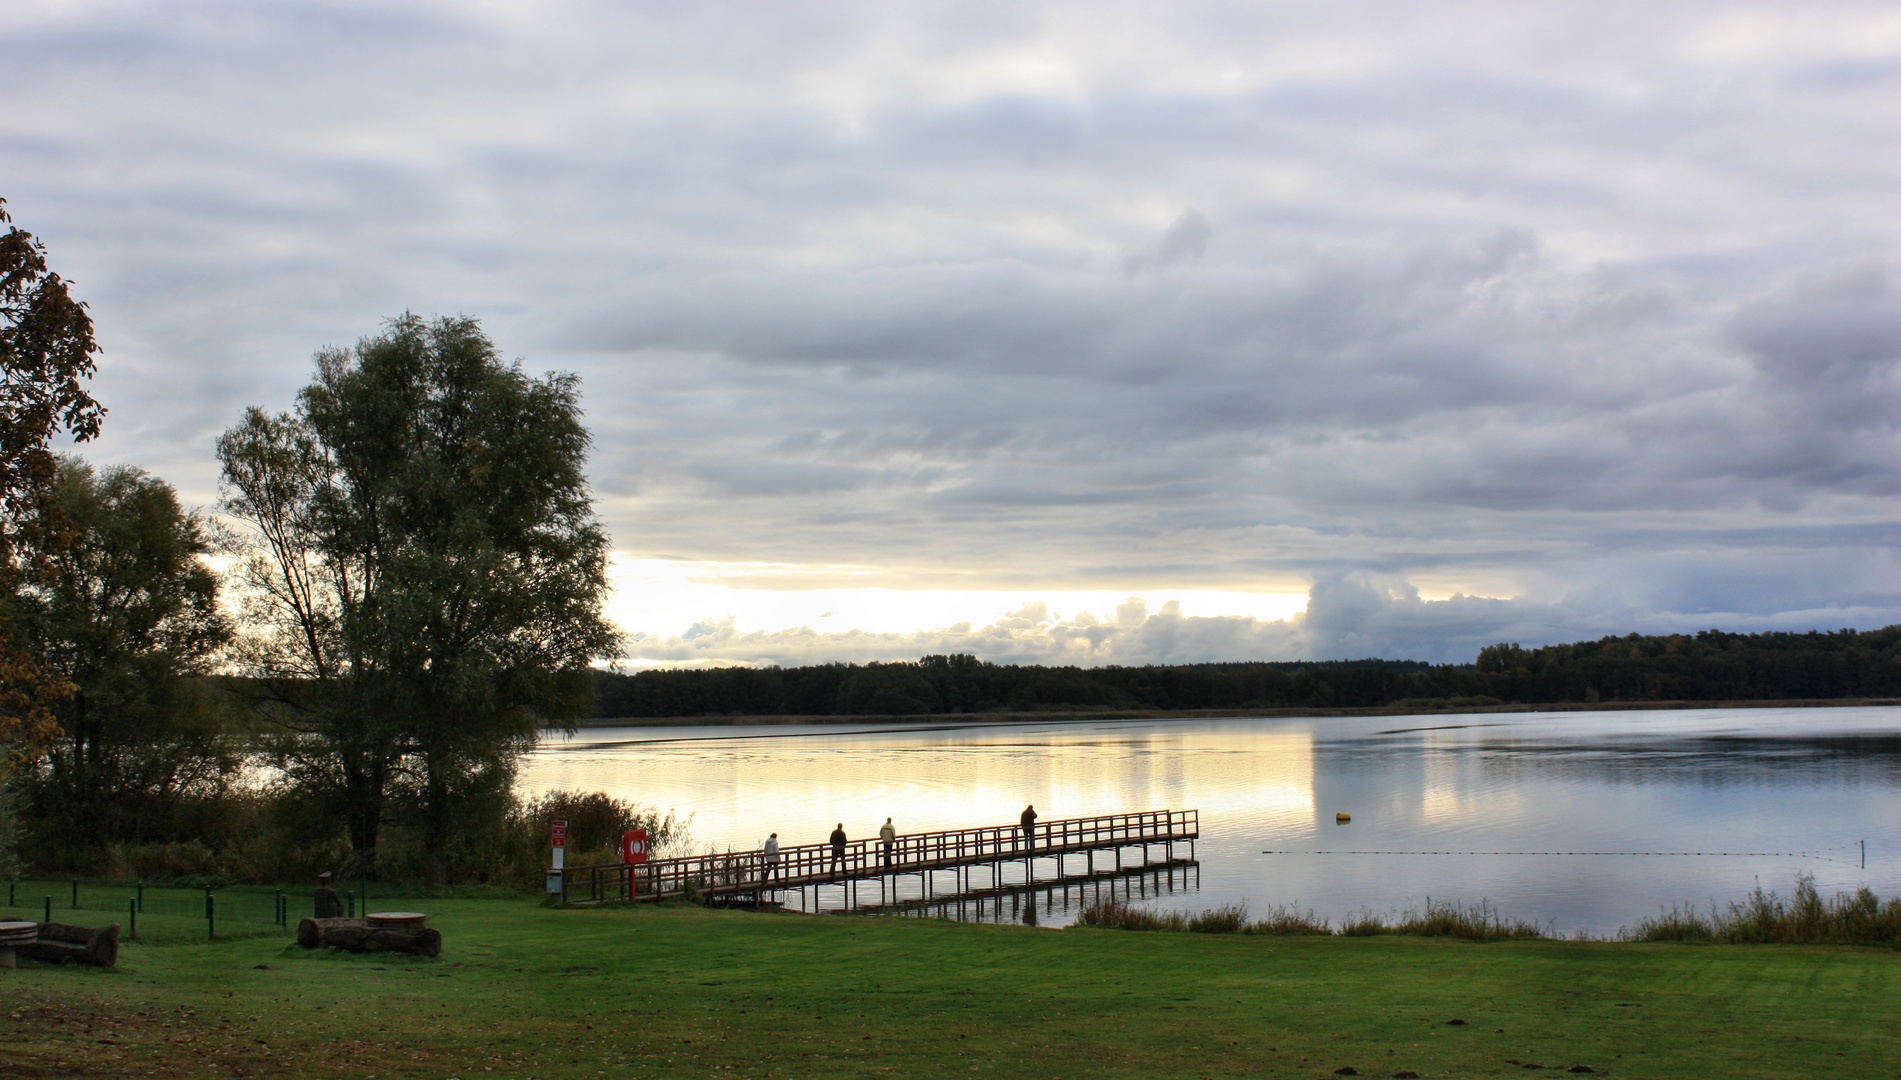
[
  {"x": 633, "y": 846},
  {"x": 560, "y": 834}
]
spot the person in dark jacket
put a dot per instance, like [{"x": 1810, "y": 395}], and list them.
[
  {"x": 329, "y": 906},
  {"x": 1029, "y": 827},
  {"x": 838, "y": 846}
]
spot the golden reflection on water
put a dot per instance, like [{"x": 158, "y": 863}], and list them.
[{"x": 741, "y": 783}]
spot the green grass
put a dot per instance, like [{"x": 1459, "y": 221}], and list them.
[{"x": 527, "y": 991}]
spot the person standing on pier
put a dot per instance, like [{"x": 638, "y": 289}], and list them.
[
  {"x": 887, "y": 838},
  {"x": 772, "y": 857},
  {"x": 838, "y": 846},
  {"x": 1029, "y": 827}
]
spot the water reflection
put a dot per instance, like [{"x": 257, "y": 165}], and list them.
[{"x": 1726, "y": 780}]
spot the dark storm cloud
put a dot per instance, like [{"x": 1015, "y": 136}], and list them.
[{"x": 1592, "y": 306}]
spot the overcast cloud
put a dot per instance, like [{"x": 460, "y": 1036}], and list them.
[{"x": 1585, "y": 316}]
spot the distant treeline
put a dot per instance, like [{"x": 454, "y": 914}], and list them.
[{"x": 1711, "y": 666}]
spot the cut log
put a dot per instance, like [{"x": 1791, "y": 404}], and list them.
[
  {"x": 62, "y": 944},
  {"x": 357, "y": 935},
  {"x": 310, "y": 931}
]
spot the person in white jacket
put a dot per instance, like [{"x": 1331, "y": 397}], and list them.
[
  {"x": 887, "y": 838},
  {"x": 772, "y": 857}
]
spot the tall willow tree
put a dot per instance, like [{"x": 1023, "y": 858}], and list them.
[{"x": 425, "y": 575}]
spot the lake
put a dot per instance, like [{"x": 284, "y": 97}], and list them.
[{"x": 1769, "y": 793}]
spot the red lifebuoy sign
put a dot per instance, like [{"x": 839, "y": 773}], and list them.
[{"x": 633, "y": 846}]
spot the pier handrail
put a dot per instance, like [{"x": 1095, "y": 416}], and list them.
[{"x": 734, "y": 871}]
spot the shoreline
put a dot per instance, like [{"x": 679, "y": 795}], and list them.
[{"x": 1078, "y": 716}]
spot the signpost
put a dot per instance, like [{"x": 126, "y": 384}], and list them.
[
  {"x": 633, "y": 851},
  {"x": 559, "y": 829}
]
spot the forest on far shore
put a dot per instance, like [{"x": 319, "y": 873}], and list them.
[{"x": 1709, "y": 666}]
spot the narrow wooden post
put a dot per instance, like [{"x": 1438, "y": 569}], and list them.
[
  {"x": 75, "y": 894},
  {"x": 132, "y": 917},
  {"x": 211, "y": 915}
]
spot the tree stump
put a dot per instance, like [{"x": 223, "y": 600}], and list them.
[
  {"x": 357, "y": 935},
  {"x": 63, "y": 944}
]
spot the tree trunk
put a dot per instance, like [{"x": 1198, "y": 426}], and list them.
[{"x": 357, "y": 935}]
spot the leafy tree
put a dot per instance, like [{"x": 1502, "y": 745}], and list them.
[
  {"x": 426, "y": 573},
  {"x": 116, "y": 598},
  {"x": 46, "y": 350}
]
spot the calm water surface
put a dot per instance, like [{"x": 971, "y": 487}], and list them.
[{"x": 1808, "y": 781}]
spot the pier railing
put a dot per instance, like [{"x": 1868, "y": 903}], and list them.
[{"x": 800, "y": 865}]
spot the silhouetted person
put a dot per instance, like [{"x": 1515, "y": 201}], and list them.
[
  {"x": 329, "y": 905},
  {"x": 887, "y": 838},
  {"x": 1029, "y": 827},
  {"x": 838, "y": 846},
  {"x": 772, "y": 857}
]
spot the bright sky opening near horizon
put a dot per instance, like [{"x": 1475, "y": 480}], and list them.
[{"x": 1051, "y": 332}]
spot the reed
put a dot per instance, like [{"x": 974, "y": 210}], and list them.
[
  {"x": 1805, "y": 918},
  {"x": 1477, "y": 923},
  {"x": 1285, "y": 921}
]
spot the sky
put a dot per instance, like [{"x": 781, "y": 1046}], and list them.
[{"x": 1062, "y": 333}]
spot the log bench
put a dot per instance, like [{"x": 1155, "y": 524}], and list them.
[{"x": 59, "y": 943}]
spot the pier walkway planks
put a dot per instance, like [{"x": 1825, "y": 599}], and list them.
[{"x": 746, "y": 873}]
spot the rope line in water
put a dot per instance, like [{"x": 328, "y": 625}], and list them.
[
  {"x": 1789, "y": 853},
  {"x": 1731, "y": 854}
]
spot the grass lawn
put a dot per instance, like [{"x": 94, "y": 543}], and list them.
[{"x": 526, "y": 991}]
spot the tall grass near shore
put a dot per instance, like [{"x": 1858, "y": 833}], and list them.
[
  {"x": 1226, "y": 919},
  {"x": 1805, "y": 918},
  {"x": 1858, "y": 918}
]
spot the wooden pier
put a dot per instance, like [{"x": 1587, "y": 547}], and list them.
[
  {"x": 1042, "y": 898},
  {"x": 986, "y": 860}
]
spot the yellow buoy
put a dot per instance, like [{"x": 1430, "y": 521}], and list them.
[{"x": 1342, "y": 819}]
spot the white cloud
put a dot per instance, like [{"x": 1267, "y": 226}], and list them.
[
  {"x": 1346, "y": 619},
  {"x": 1545, "y": 301}
]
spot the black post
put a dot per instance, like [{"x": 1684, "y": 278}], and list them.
[
  {"x": 75, "y": 894},
  {"x": 132, "y": 916},
  {"x": 211, "y": 915},
  {"x": 49, "y": 910}
]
